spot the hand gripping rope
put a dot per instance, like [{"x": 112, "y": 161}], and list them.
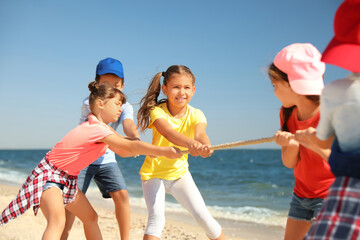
[{"x": 238, "y": 144}]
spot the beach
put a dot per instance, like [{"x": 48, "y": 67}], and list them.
[{"x": 178, "y": 226}]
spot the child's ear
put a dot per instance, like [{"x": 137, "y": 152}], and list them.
[
  {"x": 164, "y": 89},
  {"x": 99, "y": 103}
]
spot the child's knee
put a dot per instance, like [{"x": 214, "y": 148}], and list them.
[
  {"x": 94, "y": 217},
  {"x": 121, "y": 196},
  {"x": 57, "y": 221},
  {"x": 91, "y": 217}
]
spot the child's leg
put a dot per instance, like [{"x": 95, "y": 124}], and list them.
[
  {"x": 111, "y": 183},
  {"x": 302, "y": 211},
  {"x": 70, "y": 218},
  {"x": 85, "y": 212},
  {"x": 296, "y": 229},
  {"x": 154, "y": 194},
  {"x": 187, "y": 194},
  {"x": 122, "y": 212},
  {"x": 83, "y": 182},
  {"x": 52, "y": 206}
]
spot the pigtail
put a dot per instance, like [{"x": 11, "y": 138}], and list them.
[
  {"x": 149, "y": 101},
  {"x": 93, "y": 87},
  {"x": 286, "y": 113}
]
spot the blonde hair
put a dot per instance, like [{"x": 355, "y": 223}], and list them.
[
  {"x": 104, "y": 92},
  {"x": 150, "y": 99}
]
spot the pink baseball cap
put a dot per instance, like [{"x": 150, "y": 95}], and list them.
[
  {"x": 302, "y": 64},
  {"x": 344, "y": 48}
]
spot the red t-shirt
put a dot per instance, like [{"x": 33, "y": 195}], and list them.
[
  {"x": 80, "y": 146},
  {"x": 313, "y": 177}
]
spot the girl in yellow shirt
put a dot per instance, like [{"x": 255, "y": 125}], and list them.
[{"x": 174, "y": 123}]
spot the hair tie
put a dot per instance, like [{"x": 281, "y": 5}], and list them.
[{"x": 163, "y": 74}]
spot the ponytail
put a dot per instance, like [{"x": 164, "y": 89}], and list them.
[
  {"x": 286, "y": 113},
  {"x": 150, "y": 100}
]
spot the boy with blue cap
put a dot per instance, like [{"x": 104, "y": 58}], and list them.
[{"x": 105, "y": 170}]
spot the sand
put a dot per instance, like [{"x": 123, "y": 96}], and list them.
[{"x": 178, "y": 226}]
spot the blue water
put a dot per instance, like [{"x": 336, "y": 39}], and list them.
[{"x": 241, "y": 184}]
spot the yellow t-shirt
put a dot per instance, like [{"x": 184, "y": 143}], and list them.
[{"x": 162, "y": 167}]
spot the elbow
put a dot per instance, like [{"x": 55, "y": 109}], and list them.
[
  {"x": 123, "y": 153},
  {"x": 289, "y": 165}
]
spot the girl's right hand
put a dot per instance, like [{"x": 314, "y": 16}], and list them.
[
  {"x": 172, "y": 152},
  {"x": 306, "y": 137},
  {"x": 285, "y": 139}
]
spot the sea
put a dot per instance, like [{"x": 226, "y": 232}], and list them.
[{"x": 248, "y": 185}]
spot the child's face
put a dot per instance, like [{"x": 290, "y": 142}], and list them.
[
  {"x": 179, "y": 90},
  {"x": 112, "y": 80},
  {"x": 111, "y": 110},
  {"x": 284, "y": 93}
]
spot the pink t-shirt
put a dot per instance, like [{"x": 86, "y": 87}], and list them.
[
  {"x": 80, "y": 147},
  {"x": 313, "y": 177}
]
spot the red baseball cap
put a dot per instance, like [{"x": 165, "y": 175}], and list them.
[
  {"x": 303, "y": 66},
  {"x": 344, "y": 49}
]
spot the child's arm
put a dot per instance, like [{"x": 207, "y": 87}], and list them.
[
  {"x": 119, "y": 145},
  {"x": 165, "y": 129},
  {"x": 203, "y": 138},
  {"x": 308, "y": 139},
  {"x": 130, "y": 129},
  {"x": 289, "y": 148}
]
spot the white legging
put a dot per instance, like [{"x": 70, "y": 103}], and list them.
[{"x": 187, "y": 194}]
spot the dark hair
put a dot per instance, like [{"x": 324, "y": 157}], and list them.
[
  {"x": 276, "y": 74},
  {"x": 104, "y": 92},
  {"x": 97, "y": 78},
  {"x": 150, "y": 99}
]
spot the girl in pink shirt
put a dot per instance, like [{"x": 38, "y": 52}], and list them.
[
  {"x": 53, "y": 183},
  {"x": 297, "y": 76}
]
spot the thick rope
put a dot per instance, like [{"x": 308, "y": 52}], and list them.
[{"x": 238, "y": 144}]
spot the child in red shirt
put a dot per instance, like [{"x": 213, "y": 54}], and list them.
[{"x": 297, "y": 77}]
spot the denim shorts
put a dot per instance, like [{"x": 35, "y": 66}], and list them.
[
  {"x": 107, "y": 177},
  {"x": 304, "y": 208},
  {"x": 53, "y": 184}
]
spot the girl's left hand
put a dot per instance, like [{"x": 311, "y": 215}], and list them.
[
  {"x": 206, "y": 152},
  {"x": 195, "y": 149}
]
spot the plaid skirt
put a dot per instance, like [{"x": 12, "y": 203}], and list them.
[
  {"x": 31, "y": 191},
  {"x": 339, "y": 218}
]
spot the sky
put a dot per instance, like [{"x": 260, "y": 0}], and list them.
[{"x": 49, "y": 51}]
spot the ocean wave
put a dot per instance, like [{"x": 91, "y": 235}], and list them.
[{"x": 12, "y": 176}]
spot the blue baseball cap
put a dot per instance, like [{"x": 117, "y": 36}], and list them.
[{"x": 110, "y": 65}]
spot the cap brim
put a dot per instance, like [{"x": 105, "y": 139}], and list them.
[
  {"x": 106, "y": 71},
  {"x": 307, "y": 86},
  {"x": 344, "y": 55}
]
